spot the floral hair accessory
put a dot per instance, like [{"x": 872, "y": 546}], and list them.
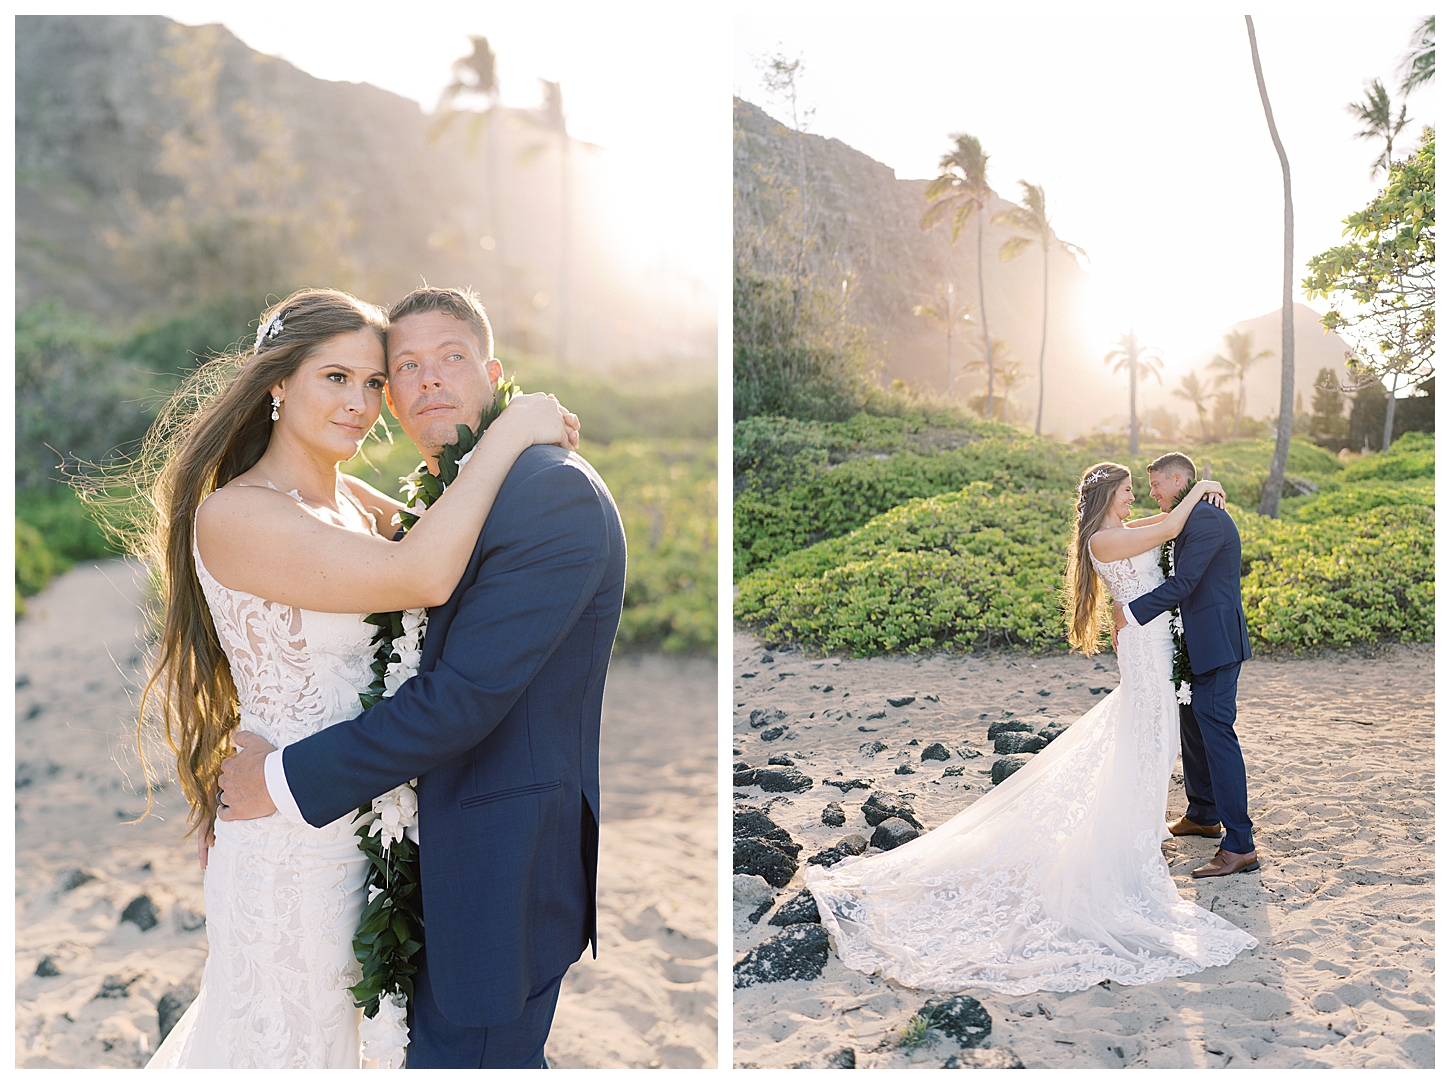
[
  {"x": 269, "y": 331},
  {"x": 1095, "y": 476}
]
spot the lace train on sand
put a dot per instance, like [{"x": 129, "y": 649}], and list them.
[{"x": 1054, "y": 880}]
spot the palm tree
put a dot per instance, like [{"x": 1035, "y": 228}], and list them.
[
  {"x": 1235, "y": 367},
  {"x": 1030, "y": 216},
  {"x": 1009, "y": 375},
  {"x": 961, "y": 189},
  {"x": 1274, "y": 486},
  {"x": 475, "y": 86},
  {"x": 1128, "y": 354},
  {"x": 1377, "y": 115},
  {"x": 942, "y": 310},
  {"x": 1418, "y": 65},
  {"x": 1190, "y": 388}
]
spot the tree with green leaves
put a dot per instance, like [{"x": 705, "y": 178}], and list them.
[
  {"x": 1417, "y": 67},
  {"x": 1234, "y": 368},
  {"x": 960, "y": 191},
  {"x": 1129, "y": 354},
  {"x": 943, "y": 311},
  {"x": 1327, "y": 414},
  {"x": 1009, "y": 376},
  {"x": 1192, "y": 390},
  {"x": 1030, "y": 216},
  {"x": 1274, "y": 485},
  {"x": 1382, "y": 284},
  {"x": 781, "y": 76},
  {"x": 473, "y": 97},
  {"x": 1380, "y": 123}
]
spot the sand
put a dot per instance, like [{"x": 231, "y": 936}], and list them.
[
  {"x": 649, "y": 999},
  {"x": 1340, "y": 755}
]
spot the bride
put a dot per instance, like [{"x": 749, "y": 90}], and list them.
[
  {"x": 1054, "y": 880},
  {"x": 263, "y": 628}
]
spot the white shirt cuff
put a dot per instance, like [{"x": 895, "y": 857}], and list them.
[
  {"x": 1127, "y": 612},
  {"x": 281, "y": 794}
]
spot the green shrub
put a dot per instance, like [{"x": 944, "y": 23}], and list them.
[
  {"x": 977, "y": 568},
  {"x": 65, "y": 523},
  {"x": 1412, "y": 456},
  {"x": 34, "y": 564},
  {"x": 1355, "y": 500}
]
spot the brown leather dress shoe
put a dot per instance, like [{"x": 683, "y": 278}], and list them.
[
  {"x": 1185, "y": 827},
  {"x": 1225, "y": 862}
]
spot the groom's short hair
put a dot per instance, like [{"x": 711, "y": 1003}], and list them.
[
  {"x": 1174, "y": 462},
  {"x": 462, "y": 305}
]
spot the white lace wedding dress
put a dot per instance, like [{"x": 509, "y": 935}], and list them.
[
  {"x": 282, "y": 900},
  {"x": 1054, "y": 880}
]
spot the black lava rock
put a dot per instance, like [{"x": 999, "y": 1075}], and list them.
[
  {"x": 47, "y": 969},
  {"x": 1007, "y": 765},
  {"x": 892, "y": 833},
  {"x": 117, "y": 985},
  {"x": 141, "y": 911},
  {"x": 899, "y": 701},
  {"x": 848, "y": 785},
  {"x": 871, "y": 748},
  {"x": 876, "y": 715},
  {"x": 744, "y": 775},
  {"x": 845, "y": 1058},
  {"x": 767, "y": 659},
  {"x": 1044, "y": 692},
  {"x": 880, "y": 807},
  {"x": 833, "y": 815},
  {"x": 171, "y": 1006},
  {"x": 800, "y": 909},
  {"x": 1017, "y": 743},
  {"x": 799, "y": 952},
  {"x": 762, "y": 717},
  {"x": 828, "y": 857},
  {"x": 1052, "y": 732},
  {"x": 776, "y": 780},
  {"x": 73, "y": 878},
  {"x": 765, "y": 858},
  {"x": 1005, "y": 726},
  {"x": 784, "y": 761},
  {"x": 954, "y": 770},
  {"x": 752, "y": 823},
  {"x": 1098, "y": 690},
  {"x": 905, "y": 769},
  {"x": 962, "y": 1018},
  {"x": 998, "y": 1057},
  {"x": 759, "y": 912},
  {"x": 852, "y": 844},
  {"x": 935, "y": 751},
  {"x": 773, "y": 733}
]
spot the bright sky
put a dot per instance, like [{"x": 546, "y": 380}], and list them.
[
  {"x": 1143, "y": 125},
  {"x": 645, "y": 80}
]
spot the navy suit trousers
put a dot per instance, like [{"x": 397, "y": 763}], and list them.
[
  {"x": 435, "y": 1042},
  {"x": 1213, "y": 763}
]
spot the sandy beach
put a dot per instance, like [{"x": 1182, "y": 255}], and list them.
[
  {"x": 1340, "y": 755},
  {"x": 93, "y": 964}
]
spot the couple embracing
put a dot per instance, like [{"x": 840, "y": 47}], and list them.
[
  {"x": 1056, "y": 879},
  {"x": 270, "y": 559}
]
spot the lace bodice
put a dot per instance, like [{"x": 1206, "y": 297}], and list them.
[
  {"x": 1132, "y": 576},
  {"x": 296, "y": 671}
]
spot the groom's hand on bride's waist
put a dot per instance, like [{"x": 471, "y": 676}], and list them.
[
  {"x": 1120, "y": 618},
  {"x": 244, "y": 794}
]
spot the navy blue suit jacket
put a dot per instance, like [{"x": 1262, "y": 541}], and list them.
[
  {"x": 1205, "y": 587},
  {"x": 501, "y": 729}
]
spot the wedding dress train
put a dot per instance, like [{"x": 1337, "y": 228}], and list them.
[
  {"x": 282, "y": 899},
  {"x": 1054, "y": 880}
]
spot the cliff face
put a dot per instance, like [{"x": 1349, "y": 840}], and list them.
[
  {"x": 141, "y": 141},
  {"x": 865, "y": 224}
]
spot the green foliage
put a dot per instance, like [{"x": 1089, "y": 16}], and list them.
[
  {"x": 34, "y": 564},
  {"x": 70, "y": 532},
  {"x": 390, "y": 929},
  {"x": 981, "y": 567},
  {"x": 179, "y": 342},
  {"x": 626, "y": 404}
]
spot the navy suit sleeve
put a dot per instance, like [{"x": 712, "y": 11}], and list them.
[
  {"x": 1200, "y": 539},
  {"x": 541, "y": 568}
]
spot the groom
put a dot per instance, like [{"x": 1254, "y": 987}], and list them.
[
  {"x": 500, "y": 727},
  {"x": 1205, "y": 588}
]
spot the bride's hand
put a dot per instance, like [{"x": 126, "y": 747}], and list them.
[
  {"x": 538, "y": 418},
  {"x": 1210, "y": 491}
]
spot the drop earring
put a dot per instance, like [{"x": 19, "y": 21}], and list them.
[{"x": 276, "y": 402}]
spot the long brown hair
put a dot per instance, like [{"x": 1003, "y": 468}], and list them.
[
  {"x": 213, "y": 429},
  {"x": 1084, "y": 590}
]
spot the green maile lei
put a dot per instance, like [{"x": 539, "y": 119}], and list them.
[
  {"x": 1182, "y": 671},
  {"x": 390, "y": 928}
]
